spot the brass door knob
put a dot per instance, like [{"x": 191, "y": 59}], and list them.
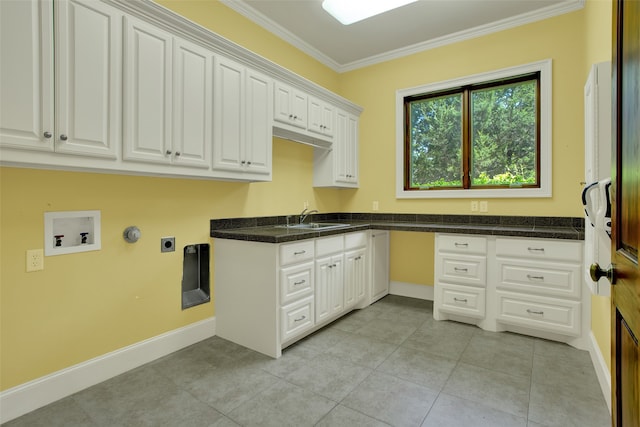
[{"x": 596, "y": 272}]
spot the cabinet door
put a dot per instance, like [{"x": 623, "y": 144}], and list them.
[
  {"x": 26, "y": 74},
  {"x": 88, "y": 85},
  {"x": 351, "y": 149},
  {"x": 192, "y": 105},
  {"x": 258, "y": 123},
  {"x": 147, "y": 92},
  {"x": 346, "y": 143},
  {"x": 320, "y": 117},
  {"x": 323, "y": 283},
  {"x": 336, "y": 285},
  {"x": 290, "y": 106},
  {"x": 379, "y": 264},
  {"x": 354, "y": 276},
  {"x": 228, "y": 127}
]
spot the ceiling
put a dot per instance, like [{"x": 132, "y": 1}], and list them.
[{"x": 409, "y": 29}]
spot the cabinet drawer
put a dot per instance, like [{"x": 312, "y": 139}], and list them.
[
  {"x": 295, "y": 282},
  {"x": 329, "y": 245},
  {"x": 467, "y": 269},
  {"x": 355, "y": 240},
  {"x": 549, "y": 314},
  {"x": 296, "y": 252},
  {"x": 464, "y": 300},
  {"x": 296, "y": 318},
  {"x": 539, "y": 249},
  {"x": 553, "y": 279},
  {"x": 460, "y": 243}
]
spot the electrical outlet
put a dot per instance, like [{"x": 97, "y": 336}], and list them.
[
  {"x": 35, "y": 260},
  {"x": 484, "y": 206},
  {"x": 376, "y": 205},
  {"x": 474, "y": 206},
  {"x": 167, "y": 244}
]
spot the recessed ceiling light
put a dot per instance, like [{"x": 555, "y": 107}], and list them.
[{"x": 350, "y": 11}]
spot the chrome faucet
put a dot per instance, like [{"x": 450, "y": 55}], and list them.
[{"x": 304, "y": 214}]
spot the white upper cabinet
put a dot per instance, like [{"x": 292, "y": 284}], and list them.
[
  {"x": 192, "y": 104},
  {"x": 88, "y": 85},
  {"x": 321, "y": 117},
  {"x": 290, "y": 105},
  {"x": 243, "y": 120},
  {"x": 147, "y": 93},
  {"x": 84, "y": 78},
  {"x": 168, "y": 87},
  {"x": 26, "y": 74},
  {"x": 338, "y": 167}
]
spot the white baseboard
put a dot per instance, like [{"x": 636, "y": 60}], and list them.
[
  {"x": 602, "y": 370},
  {"x": 35, "y": 394},
  {"x": 412, "y": 290}
]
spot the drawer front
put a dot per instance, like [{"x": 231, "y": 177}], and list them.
[
  {"x": 296, "y": 282},
  {"x": 329, "y": 245},
  {"x": 549, "y": 314},
  {"x": 462, "y": 300},
  {"x": 355, "y": 240},
  {"x": 296, "y": 252},
  {"x": 469, "y": 269},
  {"x": 539, "y": 249},
  {"x": 551, "y": 279},
  {"x": 461, "y": 243},
  {"x": 296, "y": 318}
]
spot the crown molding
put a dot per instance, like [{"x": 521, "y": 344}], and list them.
[{"x": 526, "y": 18}]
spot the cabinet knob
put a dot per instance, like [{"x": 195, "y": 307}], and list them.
[
  {"x": 168, "y": 152},
  {"x": 177, "y": 153},
  {"x": 48, "y": 135},
  {"x": 242, "y": 162},
  {"x": 63, "y": 137},
  {"x": 248, "y": 163}
]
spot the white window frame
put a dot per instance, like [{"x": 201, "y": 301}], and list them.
[{"x": 544, "y": 67}]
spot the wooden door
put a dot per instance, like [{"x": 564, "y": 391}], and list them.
[{"x": 625, "y": 217}]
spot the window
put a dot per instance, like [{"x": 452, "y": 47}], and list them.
[{"x": 482, "y": 136}]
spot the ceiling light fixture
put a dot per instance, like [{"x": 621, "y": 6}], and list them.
[{"x": 350, "y": 11}]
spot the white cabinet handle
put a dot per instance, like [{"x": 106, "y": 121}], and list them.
[
  {"x": 535, "y": 249},
  {"x": 461, "y": 245},
  {"x": 464, "y": 300},
  {"x": 300, "y": 319},
  {"x": 541, "y": 313},
  {"x": 464, "y": 270},
  {"x": 531, "y": 277},
  {"x": 300, "y": 252}
]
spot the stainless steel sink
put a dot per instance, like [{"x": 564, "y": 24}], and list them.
[{"x": 315, "y": 226}]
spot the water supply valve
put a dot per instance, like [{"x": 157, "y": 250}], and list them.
[
  {"x": 83, "y": 238},
  {"x": 58, "y": 238}
]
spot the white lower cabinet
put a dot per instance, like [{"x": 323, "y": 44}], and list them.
[
  {"x": 379, "y": 264},
  {"x": 529, "y": 286},
  {"x": 290, "y": 289}
]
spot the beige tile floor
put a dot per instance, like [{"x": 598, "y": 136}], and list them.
[{"x": 390, "y": 364}]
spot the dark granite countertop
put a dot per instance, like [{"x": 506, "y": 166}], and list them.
[{"x": 263, "y": 229}]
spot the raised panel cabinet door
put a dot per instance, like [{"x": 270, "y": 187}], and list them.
[
  {"x": 228, "y": 109},
  {"x": 283, "y": 110},
  {"x": 351, "y": 149},
  {"x": 322, "y": 292},
  {"x": 340, "y": 147},
  {"x": 147, "y": 93},
  {"x": 258, "y": 123},
  {"x": 354, "y": 276},
  {"x": 299, "y": 108},
  {"x": 379, "y": 264},
  {"x": 88, "y": 84},
  {"x": 336, "y": 285},
  {"x": 315, "y": 115},
  {"x": 192, "y": 105},
  {"x": 328, "y": 119},
  {"x": 26, "y": 74}
]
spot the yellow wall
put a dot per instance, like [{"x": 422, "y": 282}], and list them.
[{"x": 85, "y": 305}]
